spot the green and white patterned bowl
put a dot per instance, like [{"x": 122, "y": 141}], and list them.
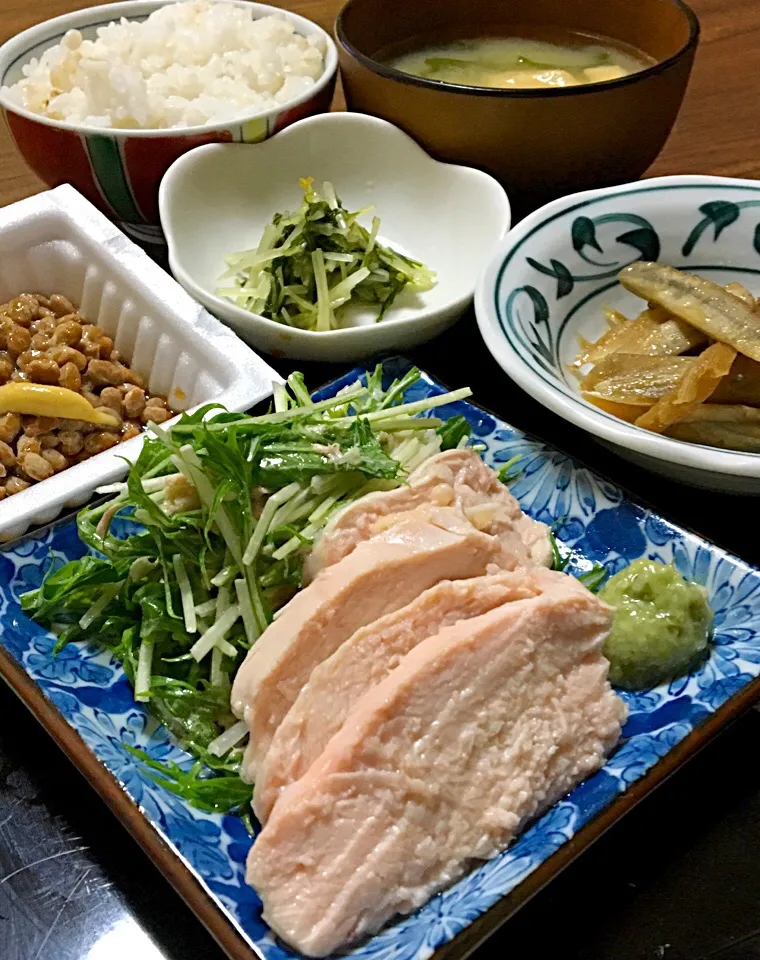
[{"x": 556, "y": 271}]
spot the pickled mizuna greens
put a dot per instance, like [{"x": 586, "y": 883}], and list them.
[
  {"x": 661, "y": 627},
  {"x": 310, "y": 264},
  {"x": 205, "y": 541}
]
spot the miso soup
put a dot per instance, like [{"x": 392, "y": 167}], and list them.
[{"x": 520, "y": 62}]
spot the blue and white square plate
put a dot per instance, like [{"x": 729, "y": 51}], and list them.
[{"x": 84, "y": 700}]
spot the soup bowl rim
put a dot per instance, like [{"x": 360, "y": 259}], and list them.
[{"x": 392, "y": 73}]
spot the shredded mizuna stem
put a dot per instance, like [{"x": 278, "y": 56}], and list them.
[
  {"x": 265, "y": 520},
  {"x": 246, "y": 611},
  {"x": 142, "y": 676},
  {"x": 206, "y": 608},
  {"x": 215, "y": 632},
  {"x": 222, "y": 601},
  {"x": 281, "y": 401},
  {"x": 107, "y": 594},
  {"x": 227, "y": 740},
  {"x": 324, "y": 311},
  {"x": 186, "y": 594}
]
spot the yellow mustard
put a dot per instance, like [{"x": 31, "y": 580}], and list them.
[{"x": 44, "y": 400}]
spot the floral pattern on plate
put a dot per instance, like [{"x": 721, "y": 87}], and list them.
[{"x": 599, "y": 523}]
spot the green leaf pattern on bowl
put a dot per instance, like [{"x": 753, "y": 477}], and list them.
[
  {"x": 536, "y": 328},
  {"x": 527, "y": 314},
  {"x": 719, "y": 214},
  {"x": 583, "y": 234}
]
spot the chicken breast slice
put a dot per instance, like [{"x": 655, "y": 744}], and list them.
[
  {"x": 362, "y": 661},
  {"x": 480, "y": 728},
  {"x": 454, "y": 477},
  {"x": 380, "y": 576}
]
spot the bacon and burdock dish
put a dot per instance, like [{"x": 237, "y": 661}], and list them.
[
  {"x": 66, "y": 393},
  {"x": 687, "y": 367}
]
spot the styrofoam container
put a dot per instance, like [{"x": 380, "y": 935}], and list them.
[{"x": 57, "y": 242}]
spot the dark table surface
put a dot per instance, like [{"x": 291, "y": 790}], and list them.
[{"x": 678, "y": 878}]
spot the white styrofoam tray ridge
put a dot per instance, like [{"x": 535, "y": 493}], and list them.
[{"x": 58, "y": 242}]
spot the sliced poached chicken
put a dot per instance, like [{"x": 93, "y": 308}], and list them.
[
  {"x": 455, "y": 477},
  {"x": 480, "y": 727},
  {"x": 362, "y": 661},
  {"x": 381, "y": 575}
]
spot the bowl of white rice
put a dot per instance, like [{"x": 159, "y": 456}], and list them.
[{"x": 108, "y": 97}]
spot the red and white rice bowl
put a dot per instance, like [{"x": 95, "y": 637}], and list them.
[{"x": 118, "y": 169}]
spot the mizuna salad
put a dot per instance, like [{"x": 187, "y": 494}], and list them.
[{"x": 205, "y": 541}]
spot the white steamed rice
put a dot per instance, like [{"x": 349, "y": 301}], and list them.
[{"x": 188, "y": 63}]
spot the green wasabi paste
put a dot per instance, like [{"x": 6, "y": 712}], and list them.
[{"x": 661, "y": 626}]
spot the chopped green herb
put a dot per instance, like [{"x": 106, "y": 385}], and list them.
[
  {"x": 221, "y": 792},
  {"x": 559, "y": 561},
  {"x": 510, "y": 472},
  {"x": 454, "y": 432},
  {"x": 594, "y": 578}
]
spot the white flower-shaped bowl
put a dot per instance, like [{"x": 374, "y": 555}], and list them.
[
  {"x": 556, "y": 271},
  {"x": 217, "y": 199}
]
